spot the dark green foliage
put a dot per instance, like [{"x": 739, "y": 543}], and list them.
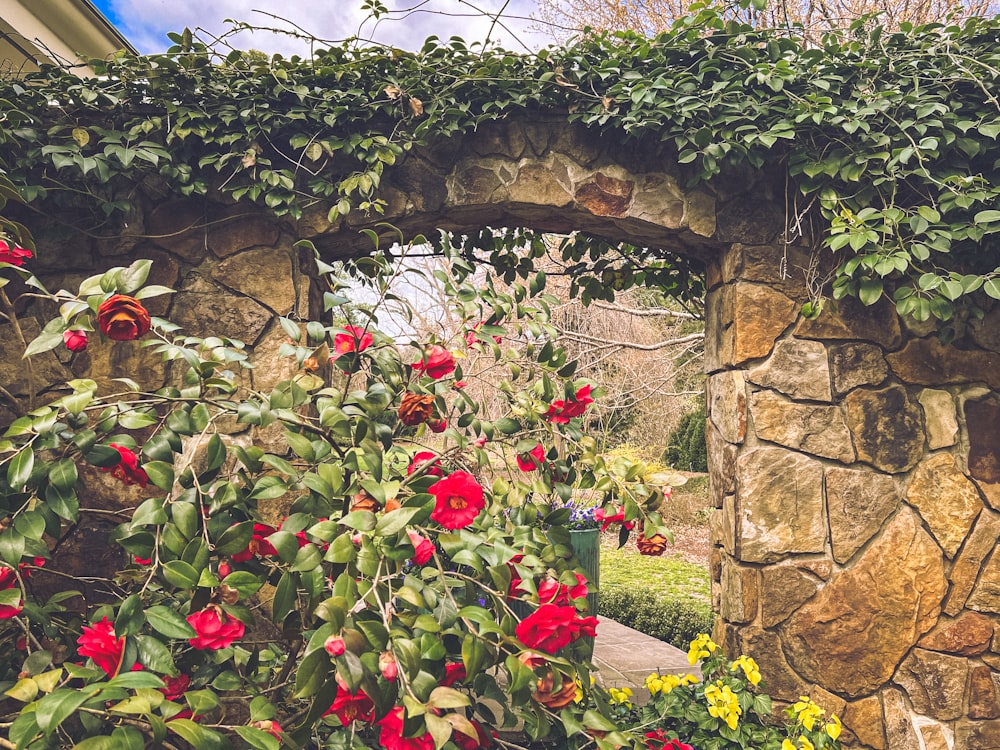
[
  {"x": 686, "y": 450},
  {"x": 674, "y": 620}
]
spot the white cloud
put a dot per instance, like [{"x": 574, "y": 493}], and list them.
[{"x": 146, "y": 22}]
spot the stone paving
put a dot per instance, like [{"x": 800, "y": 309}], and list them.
[{"x": 625, "y": 657}]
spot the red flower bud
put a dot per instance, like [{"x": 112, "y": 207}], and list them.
[
  {"x": 335, "y": 645},
  {"x": 76, "y": 341}
]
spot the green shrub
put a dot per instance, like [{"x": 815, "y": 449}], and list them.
[
  {"x": 674, "y": 620},
  {"x": 686, "y": 449}
]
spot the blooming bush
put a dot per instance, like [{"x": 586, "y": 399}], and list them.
[{"x": 367, "y": 580}]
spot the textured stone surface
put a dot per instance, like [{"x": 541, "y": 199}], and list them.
[
  {"x": 727, "y": 404},
  {"x": 816, "y": 429},
  {"x": 935, "y": 736},
  {"x": 783, "y": 589},
  {"x": 797, "y": 368},
  {"x": 721, "y": 465},
  {"x": 986, "y": 332},
  {"x": 983, "y": 703},
  {"x": 929, "y": 362},
  {"x": 719, "y": 328},
  {"x": 537, "y": 183},
  {"x": 202, "y": 307},
  {"x": 857, "y": 364},
  {"x": 864, "y": 719},
  {"x": 763, "y": 263},
  {"x": 982, "y": 419},
  {"x": 868, "y": 616},
  {"x": 934, "y": 683},
  {"x": 240, "y": 232},
  {"x": 739, "y": 592},
  {"x": 858, "y": 502},
  {"x": 658, "y": 200},
  {"x": 965, "y": 569},
  {"x": 605, "y": 195},
  {"x": 940, "y": 418},
  {"x": 765, "y": 648},
  {"x": 15, "y": 375},
  {"x": 179, "y": 227},
  {"x": 849, "y": 319},
  {"x": 900, "y": 733},
  {"x": 970, "y": 634},
  {"x": 978, "y": 735},
  {"x": 700, "y": 214},
  {"x": 760, "y": 315},
  {"x": 985, "y": 596},
  {"x": 946, "y": 498},
  {"x": 887, "y": 427},
  {"x": 263, "y": 274},
  {"x": 780, "y": 504}
]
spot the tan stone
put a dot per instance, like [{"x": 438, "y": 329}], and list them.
[
  {"x": 269, "y": 368},
  {"x": 965, "y": 569},
  {"x": 986, "y": 332},
  {"x": 240, "y": 232},
  {"x": 764, "y": 264},
  {"x": 985, "y": 596},
  {"x": 977, "y": 735},
  {"x": 780, "y": 505},
  {"x": 21, "y": 378},
  {"x": 858, "y": 502},
  {"x": 473, "y": 183},
  {"x": 852, "y": 634},
  {"x": 864, "y": 719},
  {"x": 991, "y": 492},
  {"x": 700, "y": 214},
  {"x": 719, "y": 328},
  {"x": 940, "y": 418},
  {"x": 798, "y": 369},
  {"x": 968, "y": 635},
  {"x": 783, "y": 589},
  {"x": 721, "y": 465},
  {"x": 760, "y": 315},
  {"x": 982, "y": 419},
  {"x": 983, "y": 703},
  {"x": 929, "y": 362},
  {"x": 729, "y": 524},
  {"x": 739, "y": 592},
  {"x": 816, "y": 429},
  {"x": 659, "y": 201},
  {"x": 887, "y": 428},
  {"x": 935, "y": 736},
  {"x": 537, "y": 183},
  {"x": 934, "y": 682},
  {"x": 202, "y": 307},
  {"x": 849, "y": 319},
  {"x": 605, "y": 195},
  {"x": 900, "y": 733},
  {"x": 105, "y": 360},
  {"x": 857, "y": 364},
  {"x": 764, "y": 646},
  {"x": 180, "y": 227},
  {"x": 727, "y": 404},
  {"x": 263, "y": 274},
  {"x": 946, "y": 499}
]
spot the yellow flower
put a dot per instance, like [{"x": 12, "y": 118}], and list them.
[
  {"x": 807, "y": 712},
  {"x": 578, "y": 695},
  {"x": 806, "y": 744},
  {"x": 701, "y": 648},
  {"x": 723, "y": 703},
  {"x": 688, "y": 679},
  {"x": 833, "y": 727},
  {"x": 803, "y": 744},
  {"x": 750, "y": 669},
  {"x": 654, "y": 683},
  {"x": 622, "y": 696}
]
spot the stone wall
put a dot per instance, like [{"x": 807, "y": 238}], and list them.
[{"x": 855, "y": 471}]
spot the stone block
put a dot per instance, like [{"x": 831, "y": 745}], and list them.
[
  {"x": 888, "y": 428},
  {"x": 783, "y": 589},
  {"x": 864, "y": 720},
  {"x": 727, "y": 404},
  {"x": 721, "y": 465},
  {"x": 968, "y": 635},
  {"x": 264, "y": 274},
  {"x": 816, "y": 429},
  {"x": 240, "y": 232},
  {"x": 985, "y": 597},
  {"x": 760, "y": 316},
  {"x": 900, "y": 733},
  {"x": 857, "y": 364},
  {"x": 798, "y": 368},
  {"x": 977, "y": 735},
  {"x": 940, "y": 418},
  {"x": 965, "y": 569},
  {"x": 934, "y": 682},
  {"x": 849, "y": 319},
  {"x": 982, "y": 420},
  {"x": 739, "y": 589},
  {"x": 858, "y": 502},
  {"x": 946, "y": 499},
  {"x": 983, "y": 703},
  {"x": 929, "y": 362}
]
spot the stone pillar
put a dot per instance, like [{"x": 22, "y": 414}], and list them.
[{"x": 855, "y": 471}]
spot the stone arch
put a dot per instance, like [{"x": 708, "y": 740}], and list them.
[{"x": 853, "y": 458}]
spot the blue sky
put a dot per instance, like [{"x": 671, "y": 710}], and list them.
[{"x": 145, "y": 23}]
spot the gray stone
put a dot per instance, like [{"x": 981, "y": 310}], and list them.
[
  {"x": 858, "y": 502},
  {"x": 721, "y": 465},
  {"x": 779, "y": 505},
  {"x": 849, "y": 319},
  {"x": 940, "y": 418},
  {"x": 263, "y": 274},
  {"x": 818, "y": 430},
  {"x": 203, "y": 308},
  {"x": 797, "y": 368},
  {"x": 982, "y": 419},
  {"x": 727, "y": 404}
]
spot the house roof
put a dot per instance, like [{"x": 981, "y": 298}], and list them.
[{"x": 33, "y": 32}]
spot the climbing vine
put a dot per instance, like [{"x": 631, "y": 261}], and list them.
[{"x": 890, "y": 138}]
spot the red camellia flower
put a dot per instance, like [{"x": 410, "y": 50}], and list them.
[
  {"x": 427, "y": 462},
  {"x": 353, "y": 339},
  {"x": 76, "y": 341},
  {"x": 481, "y": 740},
  {"x": 453, "y": 672},
  {"x": 550, "y": 591},
  {"x": 335, "y": 645},
  {"x": 348, "y": 706},
  {"x": 437, "y": 425},
  {"x": 531, "y": 460},
  {"x": 561, "y": 411},
  {"x": 122, "y": 318},
  {"x": 391, "y": 737},
  {"x": 127, "y": 470},
  {"x": 174, "y": 687},
  {"x": 423, "y": 548},
  {"x": 658, "y": 740},
  {"x": 8, "y": 580},
  {"x": 606, "y": 519},
  {"x": 458, "y": 499},
  {"x": 98, "y": 641},
  {"x": 215, "y": 629},
  {"x": 259, "y": 545},
  {"x": 471, "y": 337},
  {"x": 415, "y": 408},
  {"x": 388, "y": 665},
  {"x": 13, "y": 254},
  {"x": 436, "y": 362},
  {"x": 552, "y": 627},
  {"x": 654, "y": 545}
]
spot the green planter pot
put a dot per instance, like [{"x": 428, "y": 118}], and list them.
[{"x": 586, "y": 545}]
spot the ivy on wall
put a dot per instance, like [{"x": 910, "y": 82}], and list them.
[{"x": 891, "y": 138}]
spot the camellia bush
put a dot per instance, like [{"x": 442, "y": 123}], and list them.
[{"x": 393, "y": 570}]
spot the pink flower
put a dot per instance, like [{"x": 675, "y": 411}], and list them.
[
  {"x": 335, "y": 645},
  {"x": 458, "y": 500},
  {"x": 437, "y": 425},
  {"x": 531, "y": 460},
  {"x": 127, "y": 470},
  {"x": 354, "y": 339},
  {"x": 13, "y": 254},
  {"x": 479, "y": 442},
  {"x": 454, "y": 672},
  {"x": 98, "y": 641},
  {"x": 436, "y": 362},
  {"x": 423, "y": 548},
  {"x": 606, "y": 519},
  {"x": 560, "y": 412},
  {"x": 76, "y": 341},
  {"x": 388, "y": 666},
  {"x": 214, "y": 628}
]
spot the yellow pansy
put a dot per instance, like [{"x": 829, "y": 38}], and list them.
[
  {"x": 750, "y": 669},
  {"x": 654, "y": 683},
  {"x": 833, "y": 727},
  {"x": 701, "y": 648},
  {"x": 723, "y": 704},
  {"x": 622, "y": 696}
]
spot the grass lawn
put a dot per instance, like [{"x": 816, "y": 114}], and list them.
[{"x": 667, "y": 576}]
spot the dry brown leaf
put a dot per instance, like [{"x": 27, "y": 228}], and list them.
[{"x": 416, "y": 106}]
